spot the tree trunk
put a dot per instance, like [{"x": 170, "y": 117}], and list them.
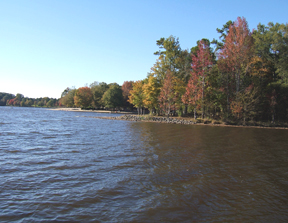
[
  {"x": 237, "y": 85},
  {"x": 168, "y": 111},
  {"x": 202, "y": 101},
  {"x": 244, "y": 115},
  {"x": 228, "y": 95}
]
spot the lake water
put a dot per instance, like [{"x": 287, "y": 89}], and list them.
[{"x": 58, "y": 166}]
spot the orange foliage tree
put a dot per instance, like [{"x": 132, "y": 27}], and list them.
[
  {"x": 237, "y": 52},
  {"x": 126, "y": 88},
  {"x": 83, "y": 97},
  {"x": 167, "y": 94}
]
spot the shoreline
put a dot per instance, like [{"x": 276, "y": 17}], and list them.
[
  {"x": 132, "y": 116},
  {"x": 95, "y": 111},
  {"x": 181, "y": 121}
]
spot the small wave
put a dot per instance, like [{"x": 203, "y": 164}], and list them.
[
  {"x": 10, "y": 170},
  {"x": 14, "y": 151},
  {"x": 35, "y": 132},
  {"x": 49, "y": 137},
  {"x": 65, "y": 167},
  {"x": 35, "y": 163},
  {"x": 9, "y": 133},
  {"x": 15, "y": 216}
]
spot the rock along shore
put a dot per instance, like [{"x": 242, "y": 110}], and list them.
[
  {"x": 136, "y": 118},
  {"x": 181, "y": 121}
]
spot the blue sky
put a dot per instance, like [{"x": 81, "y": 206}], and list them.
[{"x": 48, "y": 45}]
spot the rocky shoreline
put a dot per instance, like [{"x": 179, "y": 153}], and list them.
[
  {"x": 137, "y": 118},
  {"x": 127, "y": 116},
  {"x": 182, "y": 121}
]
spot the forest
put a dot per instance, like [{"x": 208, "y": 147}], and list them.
[
  {"x": 242, "y": 77},
  {"x": 21, "y": 101}
]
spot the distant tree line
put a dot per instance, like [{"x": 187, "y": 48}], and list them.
[
  {"x": 21, "y": 101},
  {"x": 98, "y": 96}
]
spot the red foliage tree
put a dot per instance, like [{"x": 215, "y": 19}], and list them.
[
  {"x": 11, "y": 101},
  {"x": 167, "y": 94},
  {"x": 193, "y": 92},
  {"x": 236, "y": 51},
  {"x": 201, "y": 63}
]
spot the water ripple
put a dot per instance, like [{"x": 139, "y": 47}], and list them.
[{"x": 66, "y": 167}]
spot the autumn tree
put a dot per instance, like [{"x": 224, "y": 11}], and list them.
[
  {"x": 126, "y": 88},
  {"x": 201, "y": 64},
  {"x": 177, "y": 61},
  {"x": 237, "y": 51},
  {"x": 136, "y": 96},
  {"x": 83, "y": 97},
  {"x": 151, "y": 90},
  {"x": 193, "y": 92},
  {"x": 167, "y": 95}
]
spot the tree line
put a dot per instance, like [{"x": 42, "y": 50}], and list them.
[
  {"x": 243, "y": 77},
  {"x": 21, "y": 101},
  {"x": 98, "y": 96}
]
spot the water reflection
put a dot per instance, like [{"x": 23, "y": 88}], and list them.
[{"x": 212, "y": 173}]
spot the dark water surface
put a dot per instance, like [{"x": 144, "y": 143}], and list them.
[{"x": 58, "y": 166}]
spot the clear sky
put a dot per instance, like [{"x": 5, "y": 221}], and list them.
[{"x": 48, "y": 45}]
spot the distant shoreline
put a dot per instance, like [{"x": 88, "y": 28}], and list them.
[{"x": 96, "y": 111}]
